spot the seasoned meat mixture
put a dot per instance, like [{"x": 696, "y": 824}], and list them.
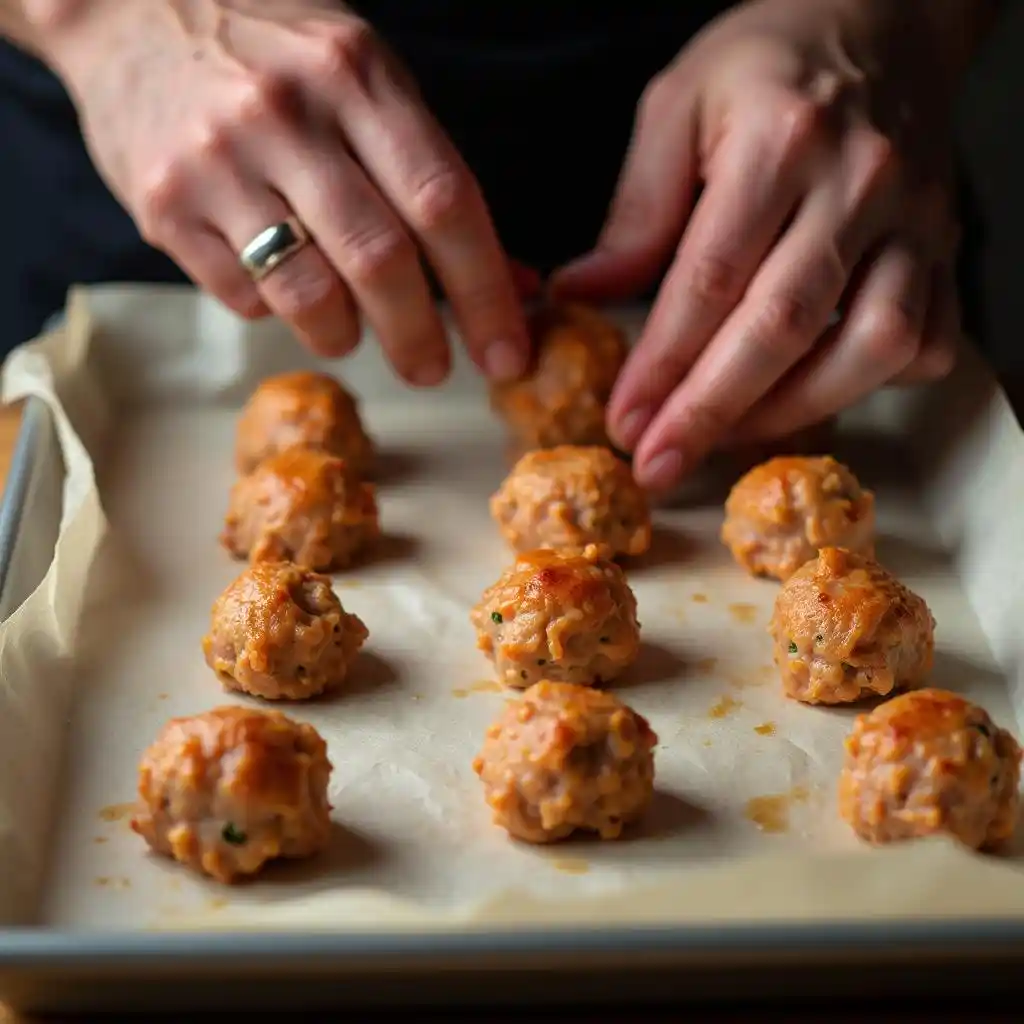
[
  {"x": 561, "y": 617},
  {"x": 231, "y": 789},
  {"x": 844, "y": 629},
  {"x": 306, "y": 410},
  {"x": 567, "y": 497},
  {"x": 784, "y": 511},
  {"x": 567, "y": 758},
  {"x": 301, "y": 506},
  {"x": 280, "y": 633},
  {"x": 562, "y": 400},
  {"x": 927, "y": 763}
]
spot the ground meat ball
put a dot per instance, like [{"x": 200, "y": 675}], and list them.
[
  {"x": 844, "y": 629},
  {"x": 228, "y": 790},
  {"x": 928, "y": 763},
  {"x": 280, "y": 633},
  {"x": 556, "y": 616},
  {"x": 301, "y": 506},
  {"x": 784, "y": 511},
  {"x": 567, "y": 757},
  {"x": 562, "y": 399},
  {"x": 568, "y": 497},
  {"x": 301, "y": 409}
]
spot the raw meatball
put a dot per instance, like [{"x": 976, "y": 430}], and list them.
[
  {"x": 784, "y": 511},
  {"x": 558, "y": 616},
  {"x": 302, "y": 506},
  {"x": 568, "y": 497},
  {"x": 305, "y": 410},
  {"x": 279, "y": 632},
  {"x": 926, "y": 763},
  {"x": 562, "y": 400},
  {"x": 567, "y": 757},
  {"x": 845, "y": 629},
  {"x": 228, "y": 790}
]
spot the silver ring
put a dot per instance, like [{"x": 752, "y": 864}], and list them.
[{"x": 270, "y": 248}]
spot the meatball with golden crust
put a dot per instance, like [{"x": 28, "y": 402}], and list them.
[
  {"x": 784, "y": 511},
  {"x": 563, "y": 617},
  {"x": 279, "y": 632},
  {"x": 302, "y": 409},
  {"x": 567, "y": 497},
  {"x": 567, "y": 758},
  {"x": 233, "y": 788},
  {"x": 301, "y": 506},
  {"x": 562, "y": 399},
  {"x": 928, "y": 763},
  {"x": 844, "y": 629}
]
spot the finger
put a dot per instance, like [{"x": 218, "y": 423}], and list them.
[
  {"x": 425, "y": 180},
  {"x": 210, "y": 263},
  {"x": 879, "y": 337},
  {"x": 369, "y": 247},
  {"x": 304, "y": 290},
  {"x": 752, "y": 190},
  {"x": 942, "y": 332},
  {"x": 652, "y": 200},
  {"x": 785, "y": 311},
  {"x": 527, "y": 281}
]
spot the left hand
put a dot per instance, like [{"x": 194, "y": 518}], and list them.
[{"x": 818, "y": 130}]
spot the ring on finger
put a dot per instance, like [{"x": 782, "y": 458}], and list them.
[{"x": 272, "y": 247}]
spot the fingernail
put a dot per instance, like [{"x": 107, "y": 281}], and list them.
[
  {"x": 503, "y": 361},
  {"x": 632, "y": 426},
  {"x": 660, "y": 472},
  {"x": 429, "y": 375}
]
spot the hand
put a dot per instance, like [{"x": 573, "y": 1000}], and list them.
[
  {"x": 212, "y": 120},
  {"x": 817, "y": 129}
]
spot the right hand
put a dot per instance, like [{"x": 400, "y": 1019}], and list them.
[{"x": 212, "y": 120}]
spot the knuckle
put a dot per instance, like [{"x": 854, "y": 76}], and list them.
[
  {"x": 375, "y": 255},
  {"x": 265, "y": 97},
  {"x": 785, "y": 324},
  {"x": 161, "y": 197},
  {"x": 877, "y": 161},
  {"x": 799, "y": 122},
  {"x": 716, "y": 281},
  {"x": 346, "y": 53},
  {"x": 893, "y": 335},
  {"x": 439, "y": 198},
  {"x": 212, "y": 145},
  {"x": 302, "y": 284},
  {"x": 706, "y": 420},
  {"x": 940, "y": 357}
]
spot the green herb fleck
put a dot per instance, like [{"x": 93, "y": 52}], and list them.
[
  {"x": 496, "y": 618},
  {"x": 231, "y": 835},
  {"x": 847, "y": 667},
  {"x": 819, "y": 639},
  {"x": 792, "y": 647},
  {"x": 524, "y": 673},
  {"x": 983, "y": 729},
  {"x": 542, "y": 661}
]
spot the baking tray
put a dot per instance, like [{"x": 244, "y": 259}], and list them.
[{"x": 53, "y": 969}]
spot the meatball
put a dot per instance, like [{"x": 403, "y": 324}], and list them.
[
  {"x": 566, "y": 757},
  {"x": 305, "y": 410},
  {"x": 844, "y": 629},
  {"x": 568, "y": 497},
  {"x": 280, "y": 633},
  {"x": 562, "y": 399},
  {"x": 784, "y": 511},
  {"x": 228, "y": 790},
  {"x": 557, "y": 616},
  {"x": 302, "y": 506},
  {"x": 927, "y": 763}
]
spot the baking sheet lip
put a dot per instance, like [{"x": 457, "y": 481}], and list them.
[
  {"x": 16, "y": 489},
  {"x": 33, "y": 947}
]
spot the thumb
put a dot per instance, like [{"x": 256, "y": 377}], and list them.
[{"x": 653, "y": 199}]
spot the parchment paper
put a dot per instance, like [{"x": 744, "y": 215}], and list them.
[{"x": 146, "y": 384}]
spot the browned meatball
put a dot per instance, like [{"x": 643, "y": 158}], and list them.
[
  {"x": 567, "y": 758},
  {"x": 228, "y": 790},
  {"x": 844, "y": 629},
  {"x": 927, "y": 763},
  {"x": 301, "y": 506},
  {"x": 280, "y": 633},
  {"x": 568, "y": 497},
  {"x": 306, "y": 410},
  {"x": 784, "y": 511},
  {"x": 557, "y": 616},
  {"x": 562, "y": 399}
]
